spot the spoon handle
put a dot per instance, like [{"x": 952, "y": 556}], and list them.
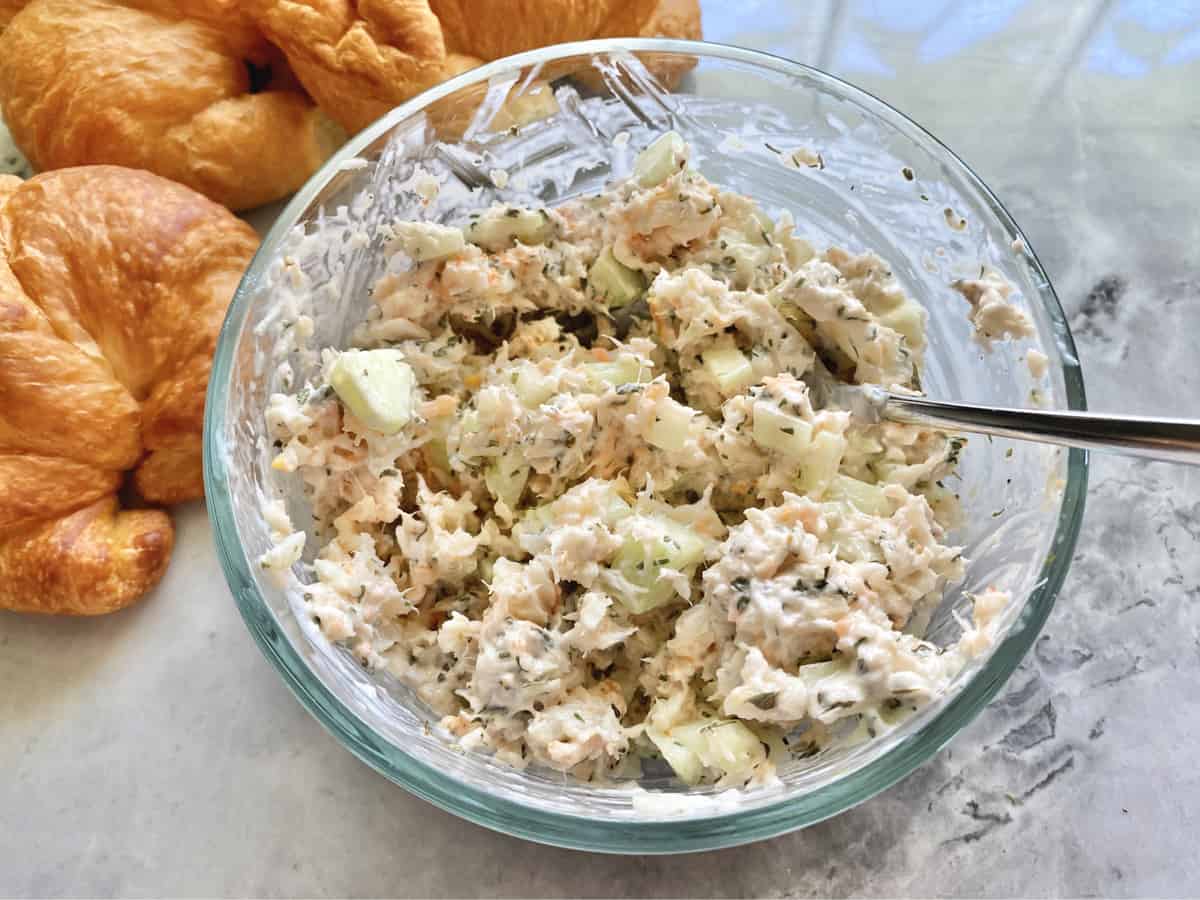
[{"x": 1170, "y": 440}]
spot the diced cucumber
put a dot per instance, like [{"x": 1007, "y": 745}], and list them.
[
  {"x": 506, "y": 477},
  {"x": 469, "y": 422},
  {"x": 718, "y": 745},
  {"x": 782, "y": 432},
  {"x": 618, "y": 284},
  {"x": 377, "y": 386},
  {"x": 533, "y": 387},
  {"x": 426, "y": 240},
  {"x": 682, "y": 547},
  {"x": 909, "y": 320},
  {"x": 831, "y": 686},
  {"x": 868, "y": 498},
  {"x": 729, "y": 368},
  {"x": 820, "y": 464},
  {"x": 813, "y": 673},
  {"x": 649, "y": 592},
  {"x": 745, "y": 248},
  {"x": 616, "y": 509},
  {"x": 665, "y": 156},
  {"x": 622, "y": 370},
  {"x": 669, "y": 430},
  {"x": 498, "y": 229},
  {"x": 683, "y": 762},
  {"x": 674, "y": 546},
  {"x": 726, "y": 745}
]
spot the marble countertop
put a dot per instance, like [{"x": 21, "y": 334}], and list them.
[{"x": 156, "y": 751}]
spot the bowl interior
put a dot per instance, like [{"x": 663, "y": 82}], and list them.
[{"x": 881, "y": 183}]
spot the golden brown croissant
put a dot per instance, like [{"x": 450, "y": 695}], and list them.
[
  {"x": 188, "y": 89},
  {"x": 113, "y": 284},
  {"x": 360, "y": 59},
  {"x": 8, "y": 9}
]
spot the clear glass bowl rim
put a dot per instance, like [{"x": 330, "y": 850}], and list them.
[{"x": 581, "y": 832}]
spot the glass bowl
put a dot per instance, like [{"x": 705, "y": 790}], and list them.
[{"x": 868, "y": 178}]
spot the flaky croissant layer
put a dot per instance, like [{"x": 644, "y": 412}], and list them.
[
  {"x": 243, "y": 100},
  {"x": 188, "y": 90},
  {"x": 93, "y": 561},
  {"x": 360, "y": 60},
  {"x": 113, "y": 286}
]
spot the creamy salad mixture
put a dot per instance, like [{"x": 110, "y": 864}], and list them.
[{"x": 570, "y": 485}]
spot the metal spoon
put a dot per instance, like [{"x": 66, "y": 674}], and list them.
[{"x": 1169, "y": 440}]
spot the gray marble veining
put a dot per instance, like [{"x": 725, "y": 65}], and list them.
[{"x": 156, "y": 751}]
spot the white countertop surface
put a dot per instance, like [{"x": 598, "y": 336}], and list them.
[{"x": 156, "y": 751}]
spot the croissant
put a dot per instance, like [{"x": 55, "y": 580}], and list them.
[
  {"x": 8, "y": 9},
  {"x": 360, "y": 59},
  {"x": 188, "y": 89},
  {"x": 113, "y": 285}
]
